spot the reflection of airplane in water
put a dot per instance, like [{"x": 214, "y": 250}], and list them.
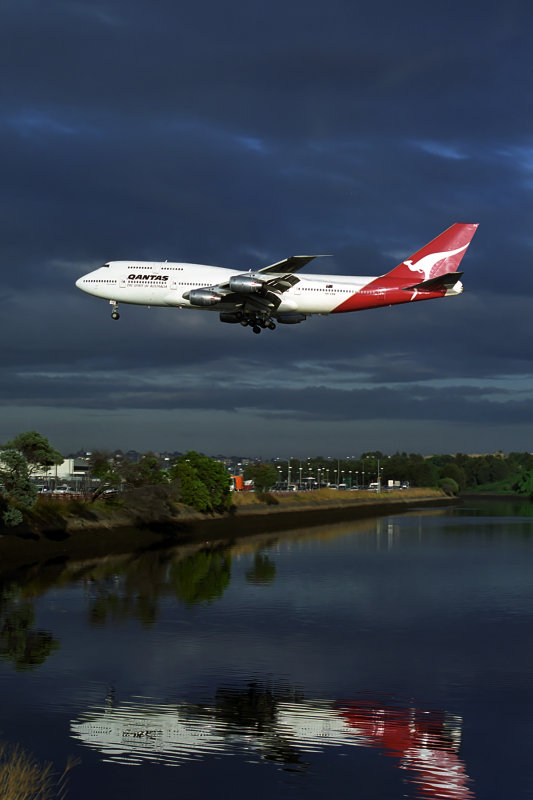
[
  {"x": 284, "y": 728},
  {"x": 425, "y": 742}
]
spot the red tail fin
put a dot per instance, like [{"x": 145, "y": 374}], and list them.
[{"x": 440, "y": 256}]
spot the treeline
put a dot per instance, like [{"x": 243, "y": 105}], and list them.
[
  {"x": 507, "y": 472},
  {"x": 204, "y": 483},
  {"x": 192, "y": 479},
  {"x": 512, "y": 472}
]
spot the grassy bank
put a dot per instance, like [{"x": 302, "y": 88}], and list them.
[
  {"x": 151, "y": 506},
  {"x": 328, "y": 496},
  {"x": 64, "y": 531}
]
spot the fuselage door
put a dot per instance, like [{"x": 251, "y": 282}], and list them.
[{"x": 122, "y": 283}]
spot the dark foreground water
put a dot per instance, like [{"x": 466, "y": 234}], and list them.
[{"x": 388, "y": 658}]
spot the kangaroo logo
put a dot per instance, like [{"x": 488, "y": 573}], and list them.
[{"x": 426, "y": 264}]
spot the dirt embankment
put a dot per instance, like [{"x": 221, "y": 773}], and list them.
[{"x": 93, "y": 531}]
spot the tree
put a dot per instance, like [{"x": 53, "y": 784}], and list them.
[
  {"x": 263, "y": 475},
  {"x": 192, "y": 491},
  {"x": 103, "y": 468},
  {"x": 524, "y": 484},
  {"x": 17, "y": 491},
  {"x": 36, "y": 449},
  {"x": 449, "y": 485},
  {"x": 457, "y": 474},
  {"x": 147, "y": 471},
  {"x": 203, "y": 482}
]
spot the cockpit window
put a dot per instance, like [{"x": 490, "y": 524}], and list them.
[{"x": 104, "y": 265}]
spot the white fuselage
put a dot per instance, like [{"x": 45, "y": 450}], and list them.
[{"x": 157, "y": 283}]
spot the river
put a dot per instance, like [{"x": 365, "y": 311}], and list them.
[{"x": 384, "y": 658}]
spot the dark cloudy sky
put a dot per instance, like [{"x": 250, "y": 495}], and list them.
[{"x": 237, "y": 134}]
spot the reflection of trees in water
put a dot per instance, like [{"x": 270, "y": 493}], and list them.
[
  {"x": 20, "y": 642},
  {"x": 119, "y": 589},
  {"x": 132, "y": 591},
  {"x": 201, "y": 578},
  {"x": 135, "y": 590},
  {"x": 256, "y": 709},
  {"x": 263, "y": 570}
]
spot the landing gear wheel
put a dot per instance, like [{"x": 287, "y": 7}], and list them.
[
  {"x": 256, "y": 329},
  {"x": 244, "y": 322},
  {"x": 272, "y": 326},
  {"x": 115, "y": 315}
]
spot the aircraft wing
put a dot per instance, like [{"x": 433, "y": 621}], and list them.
[
  {"x": 291, "y": 264},
  {"x": 282, "y": 283},
  {"x": 279, "y": 283},
  {"x": 245, "y": 289}
]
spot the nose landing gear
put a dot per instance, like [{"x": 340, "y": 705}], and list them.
[{"x": 114, "y": 313}]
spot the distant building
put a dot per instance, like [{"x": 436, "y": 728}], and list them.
[{"x": 74, "y": 471}]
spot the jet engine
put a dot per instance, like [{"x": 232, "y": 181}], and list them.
[
  {"x": 202, "y": 297},
  {"x": 231, "y": 316},
  {"x": 247, "y": 284},
  {"x": 290, "y": 319}
]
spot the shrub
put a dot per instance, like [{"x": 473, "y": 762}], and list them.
[{"x": 450, "y": 486}]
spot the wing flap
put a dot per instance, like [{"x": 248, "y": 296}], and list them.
[{"x": 282, "y": 283}]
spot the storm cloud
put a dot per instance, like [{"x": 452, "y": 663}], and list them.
[{"x": 238, "y": 135}]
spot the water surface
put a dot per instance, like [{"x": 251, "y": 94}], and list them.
[{"x": 384, "y": 658}]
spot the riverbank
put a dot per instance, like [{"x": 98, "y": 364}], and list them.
[{"x": 96, "y": 533}]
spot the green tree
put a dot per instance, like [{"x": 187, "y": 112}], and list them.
[
  {"x": 147, "y": 471},
  {"x": 17, "y": 491},
  {"x": 524, "y": 484},
  {"x": 36, "y": 449},
  {"x": 449, "y": 485},
  {"x": 103, "y": 468},
  {"x": 263, "y": 475},
  {"x": 421, "y": 472},
  {"x": 457, "y": 474},
  {"x": 192, "y": 491},
  {"x": 203, "y": 482}
]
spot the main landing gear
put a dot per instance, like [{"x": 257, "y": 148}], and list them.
[
  {"x": 257, "y": 324},
  {"x": 114, "y": 313}
]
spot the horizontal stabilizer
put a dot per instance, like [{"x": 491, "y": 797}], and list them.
[{"x": 446, "y": 281}]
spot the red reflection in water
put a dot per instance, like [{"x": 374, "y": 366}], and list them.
[{"x": 425, "y": 742}]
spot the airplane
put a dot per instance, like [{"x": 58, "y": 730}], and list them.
[{"x": 259, "y": 298}]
